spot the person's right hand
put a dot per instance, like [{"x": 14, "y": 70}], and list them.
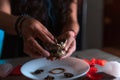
[{"x": 32, "y": 29}]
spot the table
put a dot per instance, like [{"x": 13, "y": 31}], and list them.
[
  {"x": 112, "y": 50},
  {"x": 85, "y": 54}
]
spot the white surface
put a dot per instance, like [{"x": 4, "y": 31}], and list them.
[
  {"x": 75, "y": 66},
  {"x": 112, "y": 68}
]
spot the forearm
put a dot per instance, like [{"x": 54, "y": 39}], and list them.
[
  {"x": 73, "y": 24},
  {"x": 7, "y": 22}
]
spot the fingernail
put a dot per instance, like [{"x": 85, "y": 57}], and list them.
[
  {"x": 47, "y": 54},
  {"x": 66, "y": 49}
]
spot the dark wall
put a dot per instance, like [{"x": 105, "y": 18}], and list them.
[{"x": 79, "y": 36}]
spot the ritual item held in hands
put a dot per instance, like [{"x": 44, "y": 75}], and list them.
[{"x": 57, "y": 50}]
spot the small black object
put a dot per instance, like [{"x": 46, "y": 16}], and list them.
[
  {"x": 49, "y": 78},
  {"x": 38, "y": 71},
  {"x": 68, "y": 75}
]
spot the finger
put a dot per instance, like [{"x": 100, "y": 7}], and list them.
[
  {"x": 68, "y": 43},
  {"x": 30, "y": 51},
  {"x": 45, "y": 30},
  {"x": 44, "y": 35},
  {"x": 49, "y": 34},
  {"x": 32, "y": 54},
  {"x": 35, "y": 46},
  {"x": 45, "y": 38},
  {"x": 51, "y": 58},
  {"x": 71, "y": 49}
]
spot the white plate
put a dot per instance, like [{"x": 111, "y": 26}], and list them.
[{"x": 72, "y": 65}]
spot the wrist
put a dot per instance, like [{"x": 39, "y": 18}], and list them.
[
  {"x": 74, "y": 29},
  {"x": 18, "y": 25},
  {"x": 73, "y": 33},
  {"x": 70, "y": 32}
]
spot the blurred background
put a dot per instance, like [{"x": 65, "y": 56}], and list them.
[
  {"x": 99, "y": 21},
  {"x": 102, "y": 27}
]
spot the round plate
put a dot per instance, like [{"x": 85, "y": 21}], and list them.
[{"x": 72, "y": 65}]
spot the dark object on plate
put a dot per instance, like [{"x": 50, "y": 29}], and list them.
[
  {"x": 57, "y": 71},
  {"x": 37, "y": 71},
  {"x": 49, "y": 78},
  {"x": 68, "y": 75}
]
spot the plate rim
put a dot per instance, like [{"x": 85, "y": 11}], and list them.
[{"x": 75, "y": 77}]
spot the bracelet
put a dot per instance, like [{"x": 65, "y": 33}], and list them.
[{"x": 18, "y": 25}]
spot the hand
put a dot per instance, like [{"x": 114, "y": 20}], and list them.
[
  {"x": 70, "y": 46},
  {"x": 32, "y": 29}
]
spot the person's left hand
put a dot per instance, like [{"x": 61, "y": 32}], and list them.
[{"x": 70, "y": 46}]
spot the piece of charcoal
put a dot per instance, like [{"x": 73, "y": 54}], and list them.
[
  {"x": 49, "y": 78},
  {"x": 68, "y": 75},
  {"x": 38, "y": 71}
]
